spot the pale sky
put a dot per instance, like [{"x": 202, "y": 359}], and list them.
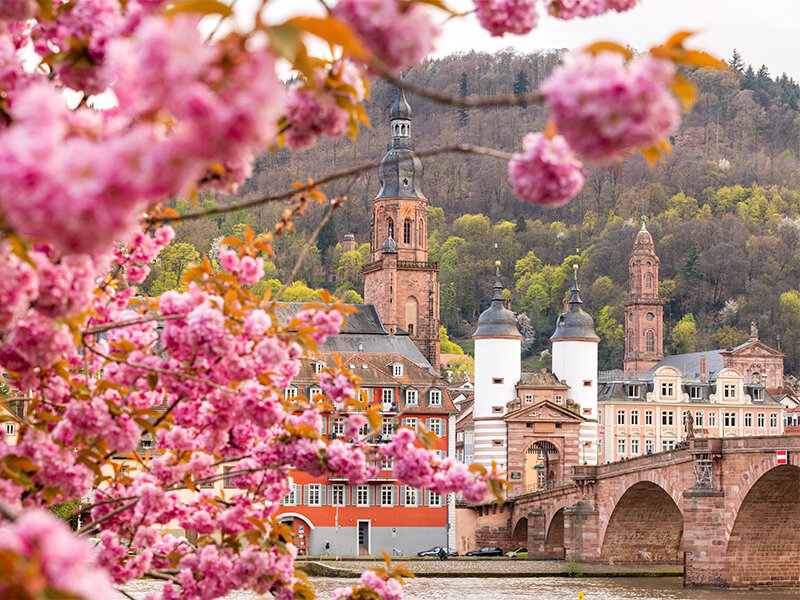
[{"x": 763, "y": 31}]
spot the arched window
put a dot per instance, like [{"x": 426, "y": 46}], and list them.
[
  {"x": 407, "y": 231},
  {"x": 648, "y": 280},
  {"x": 390, "y": 226},
  {"x": 650, "y": 341}
]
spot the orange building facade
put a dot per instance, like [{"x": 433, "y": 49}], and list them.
[{"x": 381, "y": 514}]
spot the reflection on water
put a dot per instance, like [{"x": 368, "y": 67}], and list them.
[{"x": 529, "y": 588}]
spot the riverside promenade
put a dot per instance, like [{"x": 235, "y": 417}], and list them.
[{"x": 484, "y": 567}]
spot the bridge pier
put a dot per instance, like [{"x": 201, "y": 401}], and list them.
[
  {"x": 537, "y": 533},
  {"x": 581, "y": 532},
  {"x": 704, "y": 537}
]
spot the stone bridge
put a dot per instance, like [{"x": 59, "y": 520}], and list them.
[{"x": 724, "y": 507}]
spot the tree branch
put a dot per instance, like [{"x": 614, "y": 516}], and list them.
[
  {"x": 454, "y": 149},
  {"x": 473, "y": 102},
  {"x": 92, "y": 524}
]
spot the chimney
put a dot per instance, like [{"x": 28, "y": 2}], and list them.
[{"x": 702, "y": 368}]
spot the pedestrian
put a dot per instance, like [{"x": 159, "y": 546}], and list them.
[
  {"x": 327, "y": 549},
  {"x": 442, "y": 554}
]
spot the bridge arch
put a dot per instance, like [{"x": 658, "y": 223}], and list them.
[
  {"x": 519, "y": 536},
  {"x": 764, "y": 542},
  {"x": 646, "y": 526},
  {"x": 554, "y": 540}
]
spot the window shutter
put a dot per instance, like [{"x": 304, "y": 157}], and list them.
[
  {"x": 346, "y": 496},
  {"x": 305, "y": 494},
  {"x": 395, "y": 494},
  {"x": 403, "y": 492},
  {"x": 371, "y": 495},
  {"x": 417, "y": 501},
  {"x": 323, "y": 426},
  {"x": 298, "y": 493},
  {"x": 426, "y": 497},
  {"x": 323, "y": 495}
]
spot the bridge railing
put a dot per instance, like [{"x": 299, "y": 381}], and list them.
[{"x": 547, "y": 486}]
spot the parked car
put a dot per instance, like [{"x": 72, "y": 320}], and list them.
[
  {"x": 435, "y": 552},
  {"x": 521, "y": 552},
  {"x": 486, "y": 551}
]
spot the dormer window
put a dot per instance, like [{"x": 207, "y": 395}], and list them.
[
  {"x": 633, "y": 391},
  {"x": 290, "y": 392},
  {"x": 397, "y": 370},
  {"x": 412, "y": 397},
  {"x": 695, "y": 392},
  {"x": 435, "y": 397},
  {"x": 729, "y": 390},
  {"x": 318, "y": 367},
  {"x": 314, "y": 392},
  {"x": 758, "y": 394}
]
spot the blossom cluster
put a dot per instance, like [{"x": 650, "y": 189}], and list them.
[
  {"x": 373, "y": 585},
  {"x": 571, "y": 9},
  {"x": 605, "y": 106},
  {"x": 65, "y": 561},
  {"x": 419, "y": 467},
  {"x": 499, "y": 17},
  {"x": 399, "y": 34},
  {"x": 547, "y": 173}
]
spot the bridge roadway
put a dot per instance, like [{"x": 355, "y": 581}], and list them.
[{"x": 723, "y": 506}]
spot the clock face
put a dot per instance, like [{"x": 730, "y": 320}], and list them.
[
  {"x": 406, "y": 210},
  {"x": 650, "y": 316}
]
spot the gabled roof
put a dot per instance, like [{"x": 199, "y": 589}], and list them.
[
  {"x": 753, "y": 344},
  {"x": 544, "y": 408}
]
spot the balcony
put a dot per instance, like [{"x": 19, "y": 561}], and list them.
[{"x": 421, "y": 265}]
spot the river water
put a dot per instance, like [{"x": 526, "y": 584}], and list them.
[{"x": 530, "y": 588}]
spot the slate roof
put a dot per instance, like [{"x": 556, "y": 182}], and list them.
[
  {"x": 363, "y": 332},
  {"x": 689, "y": 364}
]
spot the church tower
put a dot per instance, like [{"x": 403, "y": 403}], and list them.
[
  {"x": 399, "y": 281},
  {"x": 644, "y": 311}
]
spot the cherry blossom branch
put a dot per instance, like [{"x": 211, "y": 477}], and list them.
[
  {"x": 334, "y": 204},
  {"x": 453, "y": 149},
  {"x": 158, "y": 370},
  {"x": 119, "y": 324},
  {"x": 473, "y": 102},
  {"x": 92, "y": 524},
  {"x": 86, "y": 507}
]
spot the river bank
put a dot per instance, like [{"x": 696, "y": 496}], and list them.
[{"x": 486, "y": 567}]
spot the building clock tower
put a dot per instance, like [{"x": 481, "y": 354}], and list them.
[
  {"x": 644, "y": 311},
  {"x": 399, "y": 280}
]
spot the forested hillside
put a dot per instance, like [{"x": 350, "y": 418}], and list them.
[{"x": 724, "y": 211}]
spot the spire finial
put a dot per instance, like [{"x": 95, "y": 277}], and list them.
[
  {"x": 574, "y": 297},
  {"x": 644, "y": 220},
  {"x": 498, "y": 287}
]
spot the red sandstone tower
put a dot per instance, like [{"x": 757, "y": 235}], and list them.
[
  {"x": 399, "y": 281},
  {"x": 644, "y": 313}
]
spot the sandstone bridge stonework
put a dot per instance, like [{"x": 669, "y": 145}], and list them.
[{"x": 725, "y": 507}]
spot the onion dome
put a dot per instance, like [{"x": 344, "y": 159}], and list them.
[
  {"x": 400, "y": 173},
  {"x": 389, "y": 246},
  {"x": 401, "y": 109},
  {"x": 497, "y": 321},
  {"x": 575, "y": 323}
]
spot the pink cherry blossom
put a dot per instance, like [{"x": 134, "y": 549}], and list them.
[
  {"x": 499, "y": 17},
  {"x": 41, "y": 543},
  {"x": 547, "y": 173},
  {"x": 570, "y": 9},
  {"x": 385, "y": 27},
  {"x": 605, "y": 107}
]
